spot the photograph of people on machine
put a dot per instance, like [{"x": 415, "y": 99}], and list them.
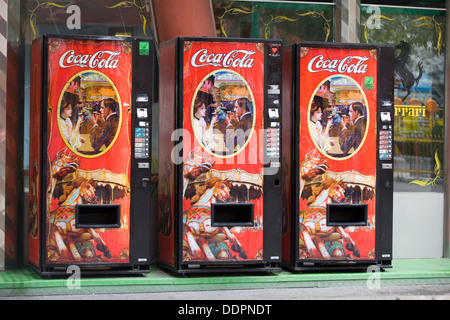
[
  {"x": 338, "y": 117},
  {"x": 223, "y": 113},
  {"x": 89, "y": 112}
]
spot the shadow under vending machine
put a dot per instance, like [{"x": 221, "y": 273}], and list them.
[
  {"x": 219, "y": 154},
  {"x": 90, "y": 154},
  {"x": 337, "y": 156}
]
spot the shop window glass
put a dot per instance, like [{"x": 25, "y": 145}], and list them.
[
  {"x": 274, "y": 20},
  {"x": 99, "y": 17},
  {"x": 418, "y": 36}
]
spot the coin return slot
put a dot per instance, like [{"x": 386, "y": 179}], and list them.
[
  {"x": 346, "y": 214},
  {"x": 97, "y": 216},
  {"x": 232, "y": 214}
]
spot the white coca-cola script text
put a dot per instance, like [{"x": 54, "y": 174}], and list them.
[
  {"x": 350, "y": 64},
  {"x": 234, "y": 58},
  {"x": 101, "y": 59}
]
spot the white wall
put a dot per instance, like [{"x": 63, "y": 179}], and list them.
[{"x": 418, "y": 225}]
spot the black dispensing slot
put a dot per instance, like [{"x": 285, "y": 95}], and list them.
[
  {"x": 345, "y": 215},
  {"x": 232, "y": 214},
  {"x": 97, "y": 216}
]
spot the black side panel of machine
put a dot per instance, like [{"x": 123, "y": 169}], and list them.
[
  {"x": 143, "y": 59},
  {"x": 385, "y": 160},
  {"x": 272, "y": 168}
]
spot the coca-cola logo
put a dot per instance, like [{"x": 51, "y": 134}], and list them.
[
  {"x": 234, "y": 58},
  {"x": 350, "y": 64},
  {"x": 101, "y": 59}
]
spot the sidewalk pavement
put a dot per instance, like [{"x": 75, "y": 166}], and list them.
[{"x": 408, "y": 278}]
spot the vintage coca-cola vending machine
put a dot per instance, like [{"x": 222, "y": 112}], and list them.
[
  {"x": 90, "y": 154},
  {"x": 337, "y": 156},
  {"x": 219, "y": 154}
]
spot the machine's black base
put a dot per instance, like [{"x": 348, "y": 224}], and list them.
[
  {"x": 210, "y": 268},
  {"x": 92, "y": 270},
  {"x": 340, "y": 266}
]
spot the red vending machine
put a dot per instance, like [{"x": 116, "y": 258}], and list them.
[
  {"x": 219, "y": 153},
  {"x": 337, "y": 156},
  {"x": 90, "y": 154}
]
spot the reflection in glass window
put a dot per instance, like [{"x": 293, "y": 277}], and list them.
[
  {"x": 99, "y": 17},
  {"x": 418, "y": 36},
  {"x": 274, "y": 20}
]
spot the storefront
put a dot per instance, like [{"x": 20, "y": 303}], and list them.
[{"x": 419, "y": 33}]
